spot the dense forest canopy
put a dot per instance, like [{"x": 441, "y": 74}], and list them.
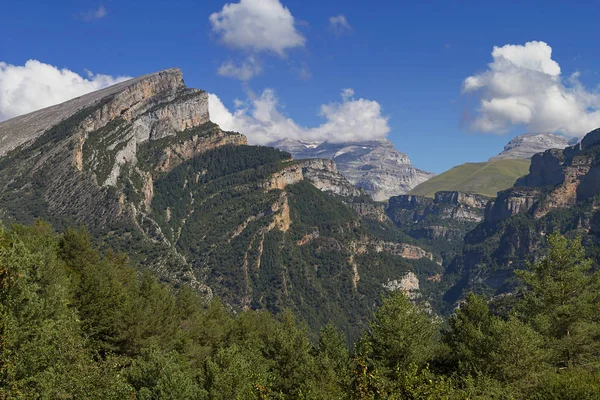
[{"x": 78, "y": 323}]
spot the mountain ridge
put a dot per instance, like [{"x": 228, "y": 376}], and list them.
[
  {"x": 373, "y": 165},
  {"x": 485, "y": 178},
  {"x": 529, "y": 144},
  {"x": 149, "y": 174}
]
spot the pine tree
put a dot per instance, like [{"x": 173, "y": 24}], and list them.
[
  {"x": 562, "y": 301},
  {"x": 467, "y": 335}
]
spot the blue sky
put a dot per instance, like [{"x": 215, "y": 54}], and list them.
[{"x": 411, "y": 58}]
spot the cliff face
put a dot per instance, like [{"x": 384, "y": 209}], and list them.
[
  {"x": 79, "y": 149},
  {"x": 321, "y": 173},
  {"x": 561, "y": 193},
  {"x": 511, "y": 202},
  {"x": 121, "y": 99},
  {"x": 373, "y": 166},
  {"x": 447, "y": 205},
  {"x": 442, "y": 222}
]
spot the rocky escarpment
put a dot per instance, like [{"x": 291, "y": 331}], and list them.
[
  {"x": 511, "y": 202},
  {"x": 122, "y": 99},
  {"x": 403, "y": 250},
  {"x": 75, "y": 151},
  {"x": 91, "y": 160},
  {"x": 560, "y": 194},
  {"x": 374, "y": 166},
  {"x": 442, "y": 221},
  {"x": 321, "y": 173},
  {"x": 557, "y": 179},
  {"x": 408, "y": 284},
  {"x": 447, "y": 205},
  {"x": 527, "y": 145},
  {"x": 370, "y": 210}
]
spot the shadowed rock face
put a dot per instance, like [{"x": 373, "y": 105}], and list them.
[
  {"x": 525, "y": 146},
  {"x": 375, "y": 166}
]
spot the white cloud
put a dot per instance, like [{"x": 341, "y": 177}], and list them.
[
  {"x": 523, "y": 86},
  {"x": 262, "y": 121},
  {"x": 99, "y": 13},
  {"x": 36, "y": 85},
  {"x": 339, "y": 24},
  {"x": 257, "y": 26},
  {"x": 247, "y": 70}
]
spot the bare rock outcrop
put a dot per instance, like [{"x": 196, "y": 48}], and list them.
[
  {"x": 511, "y": 202},
  {"x": 321, "y": 173},
  {"x": 450, "y": 205},
  {"x": 404, "y": 250},
  {"x": 408, "y": 284},
  {"x": 525, "y": 146}
]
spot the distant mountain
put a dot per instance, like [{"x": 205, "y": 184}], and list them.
[
  {"x": 375, "y": 166},
  {"x": 525, "y": 146},
  {"x": 485, "y": 178}
]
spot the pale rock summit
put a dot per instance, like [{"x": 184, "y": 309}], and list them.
[
  {"x": 375, "y": 166},
  {"x": 525, "y": 146}
]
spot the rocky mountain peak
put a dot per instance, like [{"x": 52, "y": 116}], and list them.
[
  {"x": 525, "y": 146},
  {"x": 121, "y": 99},
  {"x": 375, "y": 166}
]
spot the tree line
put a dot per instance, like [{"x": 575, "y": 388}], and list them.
[{"x": 76, "y": 322}]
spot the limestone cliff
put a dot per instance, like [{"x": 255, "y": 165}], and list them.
[
  {"x": 451, "y": 206},
  {"x": 408, "y": 284},
  {"x": 374, "y": 166},
  {"x": 404, "y": 250},
  {"x": 321, "y": 173},
  {"x": 443, "y": 221},
  {"x": 561, "y": 193}
]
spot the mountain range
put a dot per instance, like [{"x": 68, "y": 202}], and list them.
[
  {"x": 499, "y": 172},
  {"x": 141, "y": 165},
  {"x": 374, "y": 166},
  {"x": 382, "y": 171}
]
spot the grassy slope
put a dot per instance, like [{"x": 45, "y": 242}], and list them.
[{"x": 485, "y": 178}]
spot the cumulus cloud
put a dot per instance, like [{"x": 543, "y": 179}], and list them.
[
  {"x": 263, "y": 122},
  {"x": 245, "y": 71},
  {"x": 36, "y": 85},
  {"x": 523, "y": 86},
  {"x": 339, "y": 24},
  {"x": 99, "y": 13},
  {"x": 257, "y": 26}
]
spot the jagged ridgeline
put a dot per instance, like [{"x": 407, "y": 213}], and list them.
[
  {"x": 561, "y": 193},
  {"x": 141, "y": 165}
]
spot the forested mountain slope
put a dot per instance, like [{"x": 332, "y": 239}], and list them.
[{"x": 141, "y": 165}]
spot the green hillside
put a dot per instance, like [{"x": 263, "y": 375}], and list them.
[{"x": 486, "y": 178}]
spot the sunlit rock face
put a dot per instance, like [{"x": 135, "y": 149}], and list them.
[
  {"x": 525, "y": 146},
  {"x": 374, "y": 166}
]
